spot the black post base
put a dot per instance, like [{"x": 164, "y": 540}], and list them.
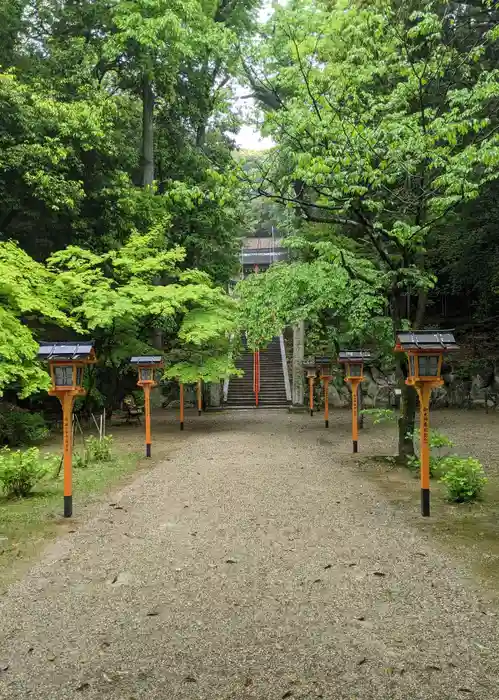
[
  {"x": 355, "y": 446},
  {"x": 148, "y": 450},
  {"x": 326, "y": 423},
  {"x": 199, "y": 413},
  {"x": 425, "y": 503},
  {"x": 181, "y": 426},
  {"x": 68, "y": 506},
  {"x": 311, "y": 411}
]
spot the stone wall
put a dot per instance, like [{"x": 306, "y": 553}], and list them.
[
  {"x": 479, "y": 391},
  {"x": 377, "y": 390}
]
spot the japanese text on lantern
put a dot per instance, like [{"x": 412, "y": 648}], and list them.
[
  {"x": 67, "y": 433},
  {"x": 425, "y": 423}
]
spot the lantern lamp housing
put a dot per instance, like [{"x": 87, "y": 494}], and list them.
[
  {"x": 67, "y": 362},
  {"x": 353, "y": 361},
  {"x": 355, "y": 369},
  {"x": 146, "y": 374},
  {"x": 146, "y": 364},
  {"x": 311, "y": 369},
  {"x": 425, "y": 350},
  {"x": 324, "y": 365}
]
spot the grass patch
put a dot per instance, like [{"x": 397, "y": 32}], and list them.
[{"x": 27, "y": 524}]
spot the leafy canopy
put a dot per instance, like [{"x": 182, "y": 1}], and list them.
[
  {"x": 28, "y": 292},
  {"x": 384, "y": 122}
]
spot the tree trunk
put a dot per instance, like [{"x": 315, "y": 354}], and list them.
[
  {"x": 147, "y": 132},
  {"x": 148, "y": 163},
  {"x": 360, "y": 404},
  {"x": 298, "y": 390},
  {"x": 407, "y": 417},
  {"x": 407, "y": 423}
]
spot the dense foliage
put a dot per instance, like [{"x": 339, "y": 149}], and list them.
[
  {"x": 120, "y": 213},
  {"x": 384, "y": 116}
]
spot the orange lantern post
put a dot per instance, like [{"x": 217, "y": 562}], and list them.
[
  {"x": 256, "y": 376},
  {"x": 67, "y": 362},
  {"x": 324, "y": 364},
  {"x": 181, "y": 388},
  {"x": 200, "y": 396},
  {"x": 425, "y": 350},
  {"x": 311, "y": 370},
  {"x": 353, "y": 361},
  {"x": 146, "y": 364}
]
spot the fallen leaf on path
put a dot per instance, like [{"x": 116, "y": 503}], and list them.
[
  {"x": 152, "y": 613},
  {"x": 83, "y": 686},
  {"x": 379, "y": 573},
  {"x": 433, "y": 667},
  {"x": 190, "y": 679},
  {"x": 287, "y": 694},
  {"x": 361, "y": 618},
  {"x": 230, "y": 561},
  {"x": 328, "y": 566},
  {"x": 465, "y": 690},
  {"x": 361, "y": 661},
  {"x": 318, "y": 580},
  {"x": 4, "y": 667}
]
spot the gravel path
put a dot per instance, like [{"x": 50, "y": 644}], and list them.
[{"x": 255, "y": 562}]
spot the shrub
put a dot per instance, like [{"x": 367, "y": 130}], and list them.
[
  {"x": 438, "y": 441},
  {"x": 99, "y": 450},
  {"x": 138, "y": 397},
  {"x": 21, "y": 471},
  {"x": 379, "y": 415},
  {"x": 81, "y": 460},
  {"x": 20, "y": 427},
  {"x": 464, "y": 478},
  {"x": 96, "y": 451}
]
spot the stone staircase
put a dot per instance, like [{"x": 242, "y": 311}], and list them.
[{"x": 272, "y": 387}]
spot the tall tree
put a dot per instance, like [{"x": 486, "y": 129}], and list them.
[{"x": 385, "y": 123}]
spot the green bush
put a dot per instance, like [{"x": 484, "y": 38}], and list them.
[
  {"x": 99, "y": 450},
  {"x": 379, "y": 415},
  {"x": 464, "y": 478},
  {"x": 81, "y": 460},
  {"x": 138, "y": 397},
  {"x": 20, "y": 427},
  {"x": 438, "y": 441},
  {"x": 21, "y": 471},
  {"x": 96, "y": 451}
]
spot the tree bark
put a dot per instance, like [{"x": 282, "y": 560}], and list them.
[
  {"x": 360, "y": 404},
  {"x": 148, "y": 162},
  {"x": 407, "y": 417},
  {"x": 407, "y": 423},
  {"x": 298, "y": 391},
  {"x": 147, "y": 132}
]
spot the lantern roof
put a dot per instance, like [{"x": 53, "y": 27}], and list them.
[
  {"x": 322, "y": 360},
  {"x": 426, "y": 341},
  {"x": 309, "y": 365},
  {"x": 354, "y": 356},
  {"x": 71, "y": 350},
  {"x": 146, "y": 360}
]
